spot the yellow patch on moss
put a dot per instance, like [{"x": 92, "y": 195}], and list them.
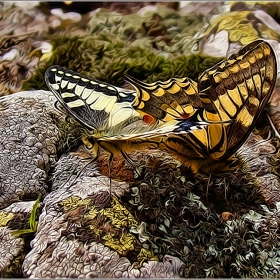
[
  {"x": 230, "y": 20},
  {"x": 122, "y": 245},
  {"x": 73, "y": 202},
  {"x": 144, "y": 255},
  {"x": 5, "y": 217},
  {"x": 239, "y": 27},
  {"x": 119, "y": 215},
  {"x": 244, "y": 33},
  {"x": 267, "y": 32},
  {"x": 95, "y": 230},
  {"x": 92, "y": 214},
  {"x": 117, "y": 235}
]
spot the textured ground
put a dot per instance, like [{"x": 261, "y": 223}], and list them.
[
  {"x": 163, "y": 225},
  {"x": 168, "y": 224}
]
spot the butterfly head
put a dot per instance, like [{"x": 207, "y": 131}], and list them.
[{"x": 88, "y": 141}]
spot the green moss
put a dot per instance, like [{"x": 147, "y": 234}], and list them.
[
  {"x": 178, "y": 219},
  {"x": 107, "y": 60},
  {"x": 155, "y": 46}
]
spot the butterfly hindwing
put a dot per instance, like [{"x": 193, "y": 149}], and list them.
[
  {"x": 97, "y": 105},
  {"x": 238, "y": 89},
  {"x": 168, "y": 100}
]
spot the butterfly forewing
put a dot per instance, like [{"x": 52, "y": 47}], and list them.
[{"x": 97, "y": 105}]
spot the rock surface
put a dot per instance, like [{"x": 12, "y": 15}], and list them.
[
  {"x": 170, "y": 223},
  {"x": 56, "y": 252},
  {"x": 148, "y": 228},
  {"x": 28, "y": 145}
]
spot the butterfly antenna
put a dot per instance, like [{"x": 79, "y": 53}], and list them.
[{"x": 132, "y": 80}]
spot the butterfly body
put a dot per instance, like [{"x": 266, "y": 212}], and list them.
[{"x": 201, "y": 123}]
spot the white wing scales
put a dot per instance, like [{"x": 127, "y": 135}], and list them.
[{"x": 98, "y": 106}]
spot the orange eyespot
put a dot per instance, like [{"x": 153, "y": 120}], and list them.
[
  {"x": 149, "y": 119},
  {"x": 185, "y": 116}
]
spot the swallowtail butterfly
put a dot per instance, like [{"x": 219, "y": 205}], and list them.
[{"x": 202, "y": 124}]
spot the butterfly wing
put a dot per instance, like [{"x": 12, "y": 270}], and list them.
[
  {"x": 233, "y": 91},
  {"x": 237, "y": 88},
  {"x": 97, "y": 105},
  {"x": 168, "y": 100},
  {"x": 176, "y": 99}
]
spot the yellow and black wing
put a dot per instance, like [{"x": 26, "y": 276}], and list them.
[
  {"x": 229, "y": 98},
  {"x": 96, "y": 105},
  {"x": 176, "y": 98},
  {"x": 111, "y": 114},
  {"x": 237, "y": 89}
]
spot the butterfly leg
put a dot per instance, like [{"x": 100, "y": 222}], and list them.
[
  {"x": 137, "y": 174},
  {"x": 111, "y": 155},
  {"x": 226, "y": 189},
  {"x": 207, "y": 188}
]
